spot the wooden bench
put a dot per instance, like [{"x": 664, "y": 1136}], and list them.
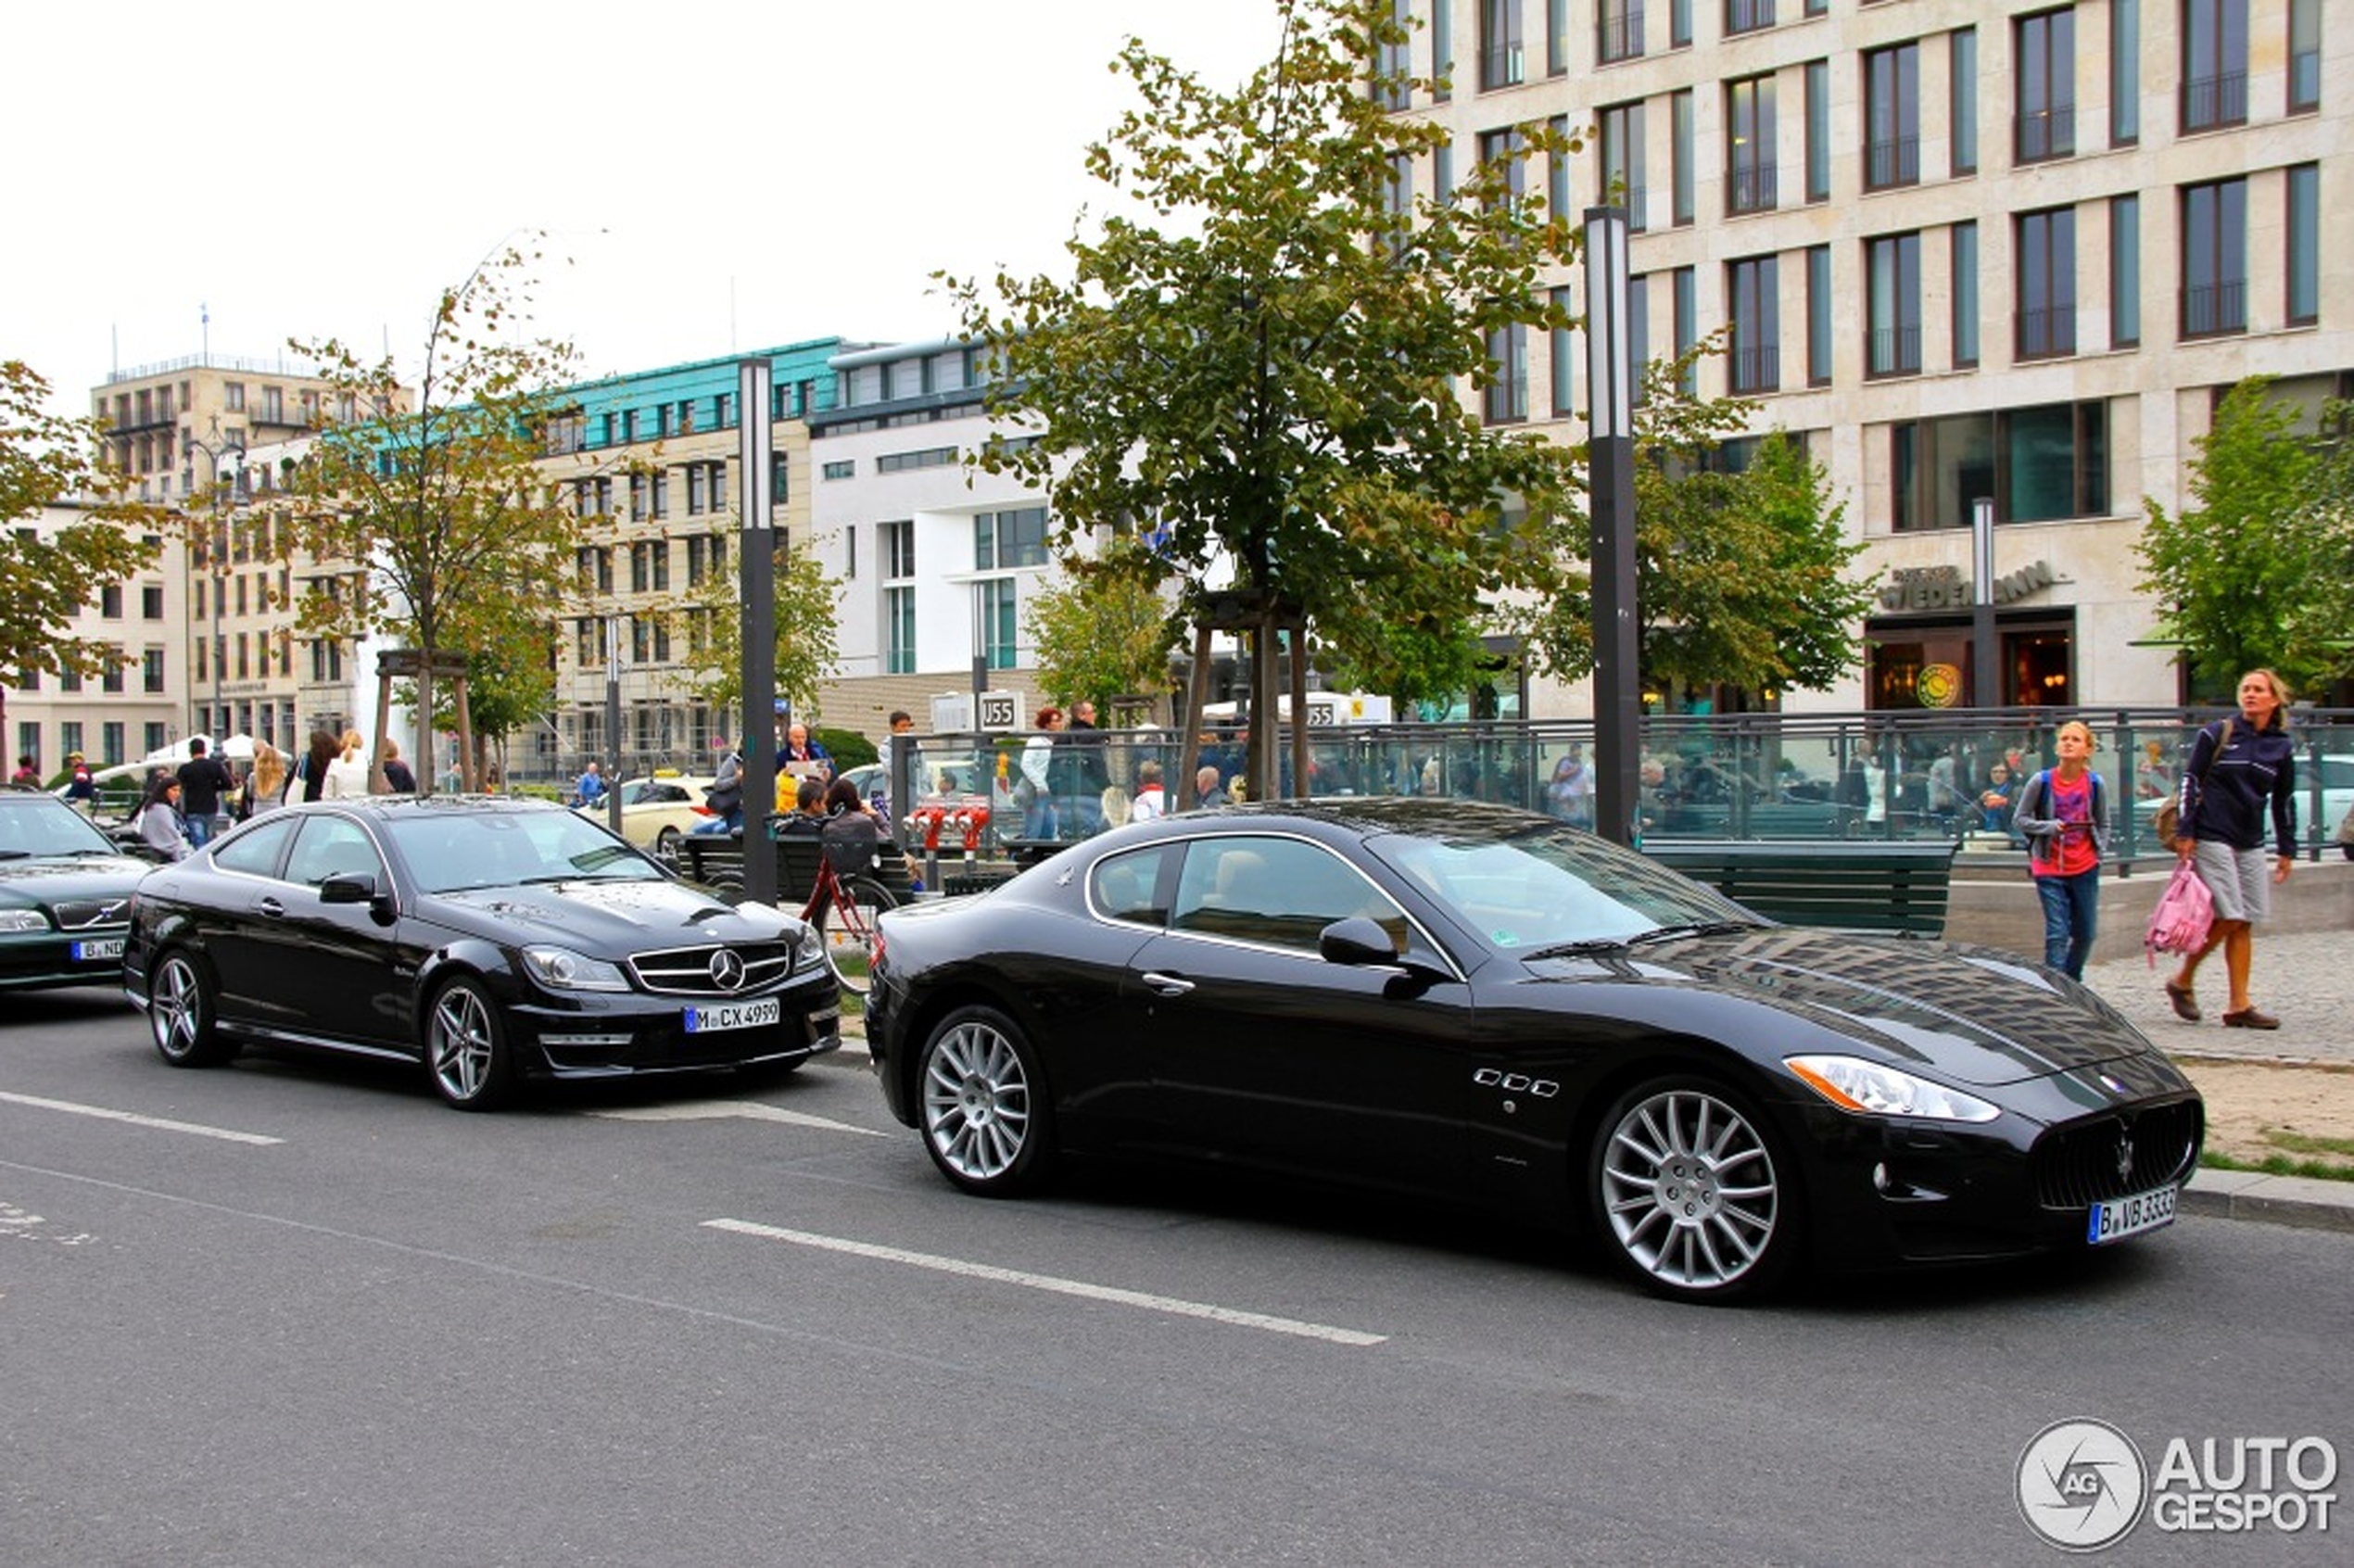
[
  {"x": 717, "y": 859},
  {"x": 1897, "y": 886}
]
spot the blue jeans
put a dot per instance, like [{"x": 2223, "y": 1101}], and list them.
[
  {"x": 199, "y": 829},
  {"x": 2070, "y": 904}
]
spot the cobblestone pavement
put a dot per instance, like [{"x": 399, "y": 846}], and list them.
[{"x": 2306, "y": 979}]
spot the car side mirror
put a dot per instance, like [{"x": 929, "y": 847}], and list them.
[
  {"x": 349, "y": 887},
  {"x": 1357, "y": 939}
]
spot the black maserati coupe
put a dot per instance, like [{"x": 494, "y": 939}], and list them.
[
  {"x": 1475, "y": 1002},
  {"x": 493, "y": 940}
]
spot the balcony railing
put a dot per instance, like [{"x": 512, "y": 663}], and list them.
[
  {"x": 1892, "y": 160},
  {"x": 1752, "y": 189},
  {"x": 2045, "y": 134},
  {"x": 1757, "y": 369},
  {"x": 1501, "y": 65},
  {"x": 2210, "y": 309},
  {"x": 2210, "y": 101},
  {"x": 1896, "y": 350},
  {"x": 1748, "y": 16},
  {"x": 2045, "y": 333}
]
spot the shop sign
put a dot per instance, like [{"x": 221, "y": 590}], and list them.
[{"x": 1945, "y": 587}]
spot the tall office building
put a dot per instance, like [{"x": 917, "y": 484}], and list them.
[{"x": 2003, "y": 253}]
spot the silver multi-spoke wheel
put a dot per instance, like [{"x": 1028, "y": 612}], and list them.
[
  {"x": 1689, "y": 1191},
  {"x": 984, "y": 1112},
  {"x": 180, "y": 1013},
  {"x": 666, "y": 848},
  {"x": 465, "y": 1048}
]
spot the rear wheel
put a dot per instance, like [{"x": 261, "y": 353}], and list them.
[
  {"x": 180, "y": 1013},
  {"x": 466, "y": 1048},
  {"x": 846, "y": 925},
  {"x": 1692, "y": 1193},
  {"x": 987, "y": 1121},
  {"x": 667, "y": 847}
]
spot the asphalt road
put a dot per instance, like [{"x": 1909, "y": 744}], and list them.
[{"x": 712, "y": 1324}]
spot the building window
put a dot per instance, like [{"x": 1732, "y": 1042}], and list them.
[
  {"x": 1395, "y": 63},
  {"x": 1687, "y": 306},
  {"x": 2125, "y": 272},
  {"x": 1753, "y": 302},
  {"x": 899, "y": 631},
  {"x": 1638, "y": 329},
  {"x": 1622, "y": 160},
  {"x": 1003, "y": 540},
  {"x": 70, "y": 736},
  {"x": 1680, "y": 117},
  {"x": 110, "y": 735},
  {"x": 1818, "y": 315},
  {"x": 2305, "y": 244},
  {"x": 1819, "y": 131},
  {"x": 1748, "y": 145},
  {"x": 2045, "y": 244},
  {"x": 1442, "y": 172},
  {"x": 929, "y": 457},
  {"x": 2304, "y": 56},
  {"x": 111, "y": 601},
  {"x": 999, "y": 627},
  {"x": 1442, "y": 53},
  {"x": 1506, "y": 396},
  {"x": 1501, "y": 150},
  {"x": 1965, "y": 296},
  {"x": 845, "y": 468},
  {"x": 2043, "y": 48},
  {"x": 2214, "y": 259},
  {"x": 1892, "y": 117},
  {"x": 154, "y": 731},
  {"x": 1748, "y": 16},
  {"x": 1564, "y": 354},
  {"x": 1618, "y": 25},
  {"x": 151, "y": 602},
  {"x": 1679, "y": 24},
  {"x": 2124, "y": 73},
  {"x": 2214, "y": 64},
  {"x": 1501, "y": 63},
  {"x": 110, "y": 679},
  {"x": 2037, "y": 464},
  {"x": 1893, "y": 266}
]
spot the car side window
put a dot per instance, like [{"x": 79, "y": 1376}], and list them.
[
  {"x": 1126, "y": 887},
  {"x": 255, "y": 852},
  {"x": 332, "y": 846},
  {"x": 1279, "y": 890}
]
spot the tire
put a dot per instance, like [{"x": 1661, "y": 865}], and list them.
[
  {"x": 667, "y": 847},
  {"x": 181, "y": 1013},
  {"x": 1692, "y": 1193},
  {"x": 467, "y": 1055},
  {"x": 985, "y": 1113},
  {"x": 846, "y": 926}
]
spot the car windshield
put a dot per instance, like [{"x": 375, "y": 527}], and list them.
[
  {"x": 457, "y": 851},
  {"x": 35, "y": 827},
  {"x": 1552, "y": 888}
]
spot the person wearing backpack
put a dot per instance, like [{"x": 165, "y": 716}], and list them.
[
  {"x": 2241, "y": 772},
  {"x": 2063, "y": 814}
]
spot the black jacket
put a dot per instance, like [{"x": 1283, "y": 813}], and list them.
[{"x": 2226, "y": 794}]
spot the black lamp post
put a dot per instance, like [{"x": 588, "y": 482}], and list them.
[
  {"x": 756, "y": 459},
  {"x": 232, "y": 453},
  {"x": 1609, "y": 425}
]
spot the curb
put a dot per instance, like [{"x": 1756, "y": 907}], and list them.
[{"x": 2302, "y": 1201}]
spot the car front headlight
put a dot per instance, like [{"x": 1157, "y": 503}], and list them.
[
  {"x": 808, "y": 949},
  {"x": 1853, "y": 1084},
  {"x": 560, "y": 968},
  {"x": 23, "y": 920}
]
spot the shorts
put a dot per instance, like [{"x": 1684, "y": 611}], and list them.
[{"x": 2239, "y": 881}]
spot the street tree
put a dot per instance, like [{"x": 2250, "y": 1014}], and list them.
[
  {"x": 2244, "y": 571},
  {"x": 439, "y": 499},
  {"x": 1741, "y": 577},
  {"x": 1262, "y": 357},
  {"x": 1104, "y": 634},
  {"x": 709, "y": 619},
  {"x": 47, "y": 576}
]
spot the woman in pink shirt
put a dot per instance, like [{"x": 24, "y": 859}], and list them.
[{"x": 2063, "y": 814}]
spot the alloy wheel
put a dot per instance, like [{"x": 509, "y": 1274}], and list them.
[{"x": 1690, "y": 1190}]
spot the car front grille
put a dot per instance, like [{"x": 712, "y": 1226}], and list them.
[
  {"x": 693, "y": 971},
  {"x": 86, "y": 914},
  {"x": 2080, "y": 1164}
]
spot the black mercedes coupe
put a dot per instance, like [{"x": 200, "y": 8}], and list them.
[
  {"x": 493, "y": 940},
  {"x": 1474, "y": 1002}
]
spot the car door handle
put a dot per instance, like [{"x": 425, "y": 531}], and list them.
[
  {"x": 1167, "y": 985},
  {"x": 271, "y": 907}
]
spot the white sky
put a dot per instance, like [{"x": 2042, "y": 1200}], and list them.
[{"x": 724, "y": 174}]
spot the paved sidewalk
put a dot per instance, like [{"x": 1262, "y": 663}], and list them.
[{"x": 2304, "y": 979}]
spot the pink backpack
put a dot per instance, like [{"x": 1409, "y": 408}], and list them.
[{"x": 2184, "y": 914}]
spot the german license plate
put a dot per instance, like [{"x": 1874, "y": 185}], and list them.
[
  {"x": 733, "y": 1015},
  {"x": 2130, "y": 1216},
  {"x": 105, "y": 947}
]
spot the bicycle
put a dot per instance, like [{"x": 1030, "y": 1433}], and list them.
[{"x": 844, "y": 911}]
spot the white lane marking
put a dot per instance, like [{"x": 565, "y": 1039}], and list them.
[
  {"x": 1111, "y": 1294},
  {"x": 159, "y": 1123},
  {"x": 706, "y": 1111}
]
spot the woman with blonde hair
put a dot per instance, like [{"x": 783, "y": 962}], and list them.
[
  {"x": 348, "y": 774},
  {"x": 2240, "y": 771},
  {"x": 2064, "y": 815},
  {"x": 267, "y": 781}
]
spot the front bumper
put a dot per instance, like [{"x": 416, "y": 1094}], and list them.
[
  {"x": 624, "y": 1035},
  {"x": 39, "y": 960}
]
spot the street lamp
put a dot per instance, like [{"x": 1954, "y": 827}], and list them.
[
  {"x": 1610, "y": 446},
  {"x": 228, "y": 454}
]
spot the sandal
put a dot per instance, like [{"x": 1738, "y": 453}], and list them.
[{"x": 2185, "y": 1005}]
